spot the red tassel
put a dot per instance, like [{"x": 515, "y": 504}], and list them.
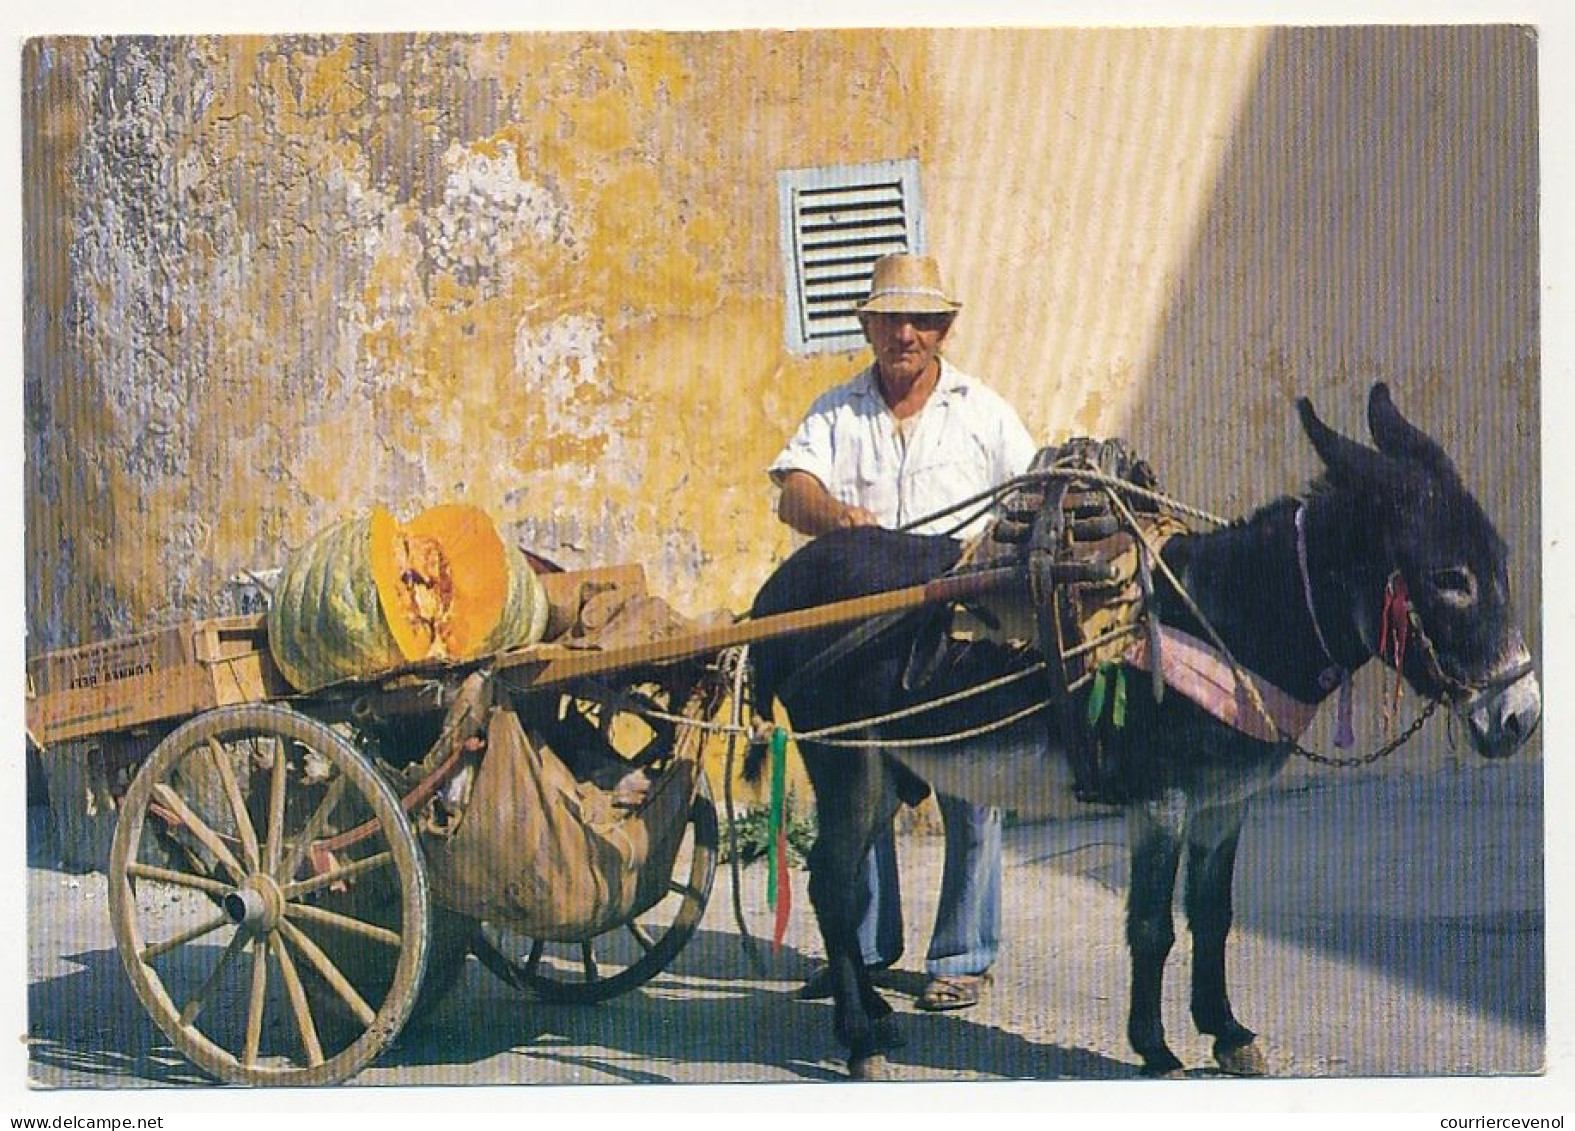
[
  {"x": 784, "y": 901},
  {"x": 1396, "y": 620},
  {"x": 1394, "y": 627}
]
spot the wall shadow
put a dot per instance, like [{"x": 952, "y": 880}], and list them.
[{"x": 1377, "y": 219}]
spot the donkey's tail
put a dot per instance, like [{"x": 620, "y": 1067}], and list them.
[{"x": 755, "y": 753}]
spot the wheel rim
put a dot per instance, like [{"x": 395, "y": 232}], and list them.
[
  {"x": 257, "y": 851},
  {"x": 629, "y": 955}
]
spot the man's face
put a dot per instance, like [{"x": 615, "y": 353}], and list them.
[{"x": 905, "y": 345}]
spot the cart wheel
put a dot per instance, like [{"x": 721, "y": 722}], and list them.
[
  {"x": 628, "y": 955},
  {"x": 255, "y": 849}
]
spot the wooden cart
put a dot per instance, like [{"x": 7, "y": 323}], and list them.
[{"x": 274, "y": 891}]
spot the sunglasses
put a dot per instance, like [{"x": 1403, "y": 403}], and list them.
[{"x": 924, "y": 323}]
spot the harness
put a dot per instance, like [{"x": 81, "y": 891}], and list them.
[
  {"x": 1088, "y": 584},
  {"x": 1083, "y": 527}
]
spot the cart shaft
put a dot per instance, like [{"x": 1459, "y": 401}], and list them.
[{"x": 542, "y": 665}]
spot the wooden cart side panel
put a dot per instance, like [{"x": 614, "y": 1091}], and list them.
[
  {"x": 174, "y": 672},
  {"x": 166, "y": 674}
]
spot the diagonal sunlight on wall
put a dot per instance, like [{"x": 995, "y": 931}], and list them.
[
  {"x": 1374, "y": 218},
  {"x": 1170, "y": 234},
  {"x": 1065, "y": 301}
]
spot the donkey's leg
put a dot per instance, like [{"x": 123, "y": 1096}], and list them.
[
  {"x": 853, "y": 799},
  {"x": 1154, "y": 830},
  {"x": 1211, "y": 860}
]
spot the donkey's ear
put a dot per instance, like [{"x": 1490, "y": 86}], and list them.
[
  {"x": 1344, "y": 458},
  {"x": 1397, "y": 436}
]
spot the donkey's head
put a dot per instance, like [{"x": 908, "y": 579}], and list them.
[{"x": 1438, "y": 590}]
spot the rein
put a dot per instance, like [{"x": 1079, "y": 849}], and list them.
[
  {"x": 1250, "y": 687},
  {"x": 1336, "y": 675},
  {"x": 1113, "y": 487},
  {"x": 1400, "y": 621},
  {"x": 1398, "y": 610}
]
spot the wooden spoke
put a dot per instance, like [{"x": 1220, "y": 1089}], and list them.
[
  {"x": 314, "y": 828},
  {"x": 199, "y": 828},
  {"x": 207, "y": 927},
  {"x": 232, "y": 790},
  {"x": 281, "y": 771},
  {"x": 258, "y": 1018},
  {"x": 343, "y": 923},
  {"x": 207, "y": 884},
  {"x": 298, "y": 1003},
  {"x": 610, "y": 964},
  {"x": 324, "y": 966},
  {"x": 256, "y": 1003},
  {"x": 334, "y": 875},
  {"x": 195, "y": 1003},
  {"x": 647, "y": 943}
]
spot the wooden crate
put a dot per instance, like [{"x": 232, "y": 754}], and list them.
[{"x": 166, "y": 674}]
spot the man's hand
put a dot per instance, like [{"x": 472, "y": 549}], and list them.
[{"x": 810, "y": 509}]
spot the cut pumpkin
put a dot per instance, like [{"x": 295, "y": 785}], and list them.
[{"x": 368, "y": 595}]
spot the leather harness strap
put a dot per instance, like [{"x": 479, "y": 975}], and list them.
[{"x": 1200, "y": 672}]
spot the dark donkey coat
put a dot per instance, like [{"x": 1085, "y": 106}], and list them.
[{"x": 1377, "y": 516}]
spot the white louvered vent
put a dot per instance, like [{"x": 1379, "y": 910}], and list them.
[{"x": 836, "y": 222}]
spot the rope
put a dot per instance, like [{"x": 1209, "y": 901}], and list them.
[
  {"x": 921, "y": 708},
  {"x": 931, "y": 740},
  {"x": 1090, "y": 475},
  {"x": 1251, "y": 688},
  {"x": 826, "y": 735},
  {"x": 1114, "y": 487},
  {"x": 737, "y": 659}
]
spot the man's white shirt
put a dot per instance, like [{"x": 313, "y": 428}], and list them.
[{"x": 966, "y": 440}]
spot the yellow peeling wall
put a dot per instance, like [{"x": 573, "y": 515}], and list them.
[{"x": 273, "y": 280}]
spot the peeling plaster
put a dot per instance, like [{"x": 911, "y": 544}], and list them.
[
  {"x": 275, "y": 280},
  {"x": 489, "y": 211}
]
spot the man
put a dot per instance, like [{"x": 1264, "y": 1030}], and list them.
[{"x": 902, "y": 440}]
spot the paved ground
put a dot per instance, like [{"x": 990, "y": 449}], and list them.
[{"x": 1387, "y": 926}]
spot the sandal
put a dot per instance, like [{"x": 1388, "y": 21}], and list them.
[{"x": 951, "y": 991}]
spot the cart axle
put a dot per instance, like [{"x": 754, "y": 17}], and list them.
[{"x": 256, "y": 905}]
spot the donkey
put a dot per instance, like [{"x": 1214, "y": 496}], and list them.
[{"x": 1302, "y": 593}]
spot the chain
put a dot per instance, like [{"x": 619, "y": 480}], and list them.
[{"x": 1383, "y": 751}]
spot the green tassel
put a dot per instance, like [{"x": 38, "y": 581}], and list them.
[
  {"x": 1118, "y": 706},
  {"x": 1096, "y": 696},
  {"x": 778, "y": 803}
]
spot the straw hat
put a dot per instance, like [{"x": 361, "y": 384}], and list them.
[{"x": 907, "y": 284}]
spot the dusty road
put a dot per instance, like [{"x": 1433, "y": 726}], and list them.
[{"x": 1387, "y": 926}]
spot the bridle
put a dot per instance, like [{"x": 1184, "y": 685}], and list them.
[
  {"x": 1399, "y": 609},
  {"x": 1400, "y": 627}
]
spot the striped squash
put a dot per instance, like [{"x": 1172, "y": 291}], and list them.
[{"x": 368, "y": 595}]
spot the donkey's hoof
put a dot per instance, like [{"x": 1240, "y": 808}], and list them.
[
  {"x": 1243, "y": 1060},
  {"x": 873, "y": 1067},
  {"x": 1161, "y": 1064}
]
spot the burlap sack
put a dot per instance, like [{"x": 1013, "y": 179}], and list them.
[{"x": 549, "y": 856}]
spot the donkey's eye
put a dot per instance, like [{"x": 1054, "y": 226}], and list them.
[{"x": 1455, "y": 586}]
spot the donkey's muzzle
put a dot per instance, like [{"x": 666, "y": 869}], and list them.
[{"x": 1503, "y": 716}]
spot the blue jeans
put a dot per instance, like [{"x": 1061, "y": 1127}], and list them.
[{"x": 967, "y": 933}]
